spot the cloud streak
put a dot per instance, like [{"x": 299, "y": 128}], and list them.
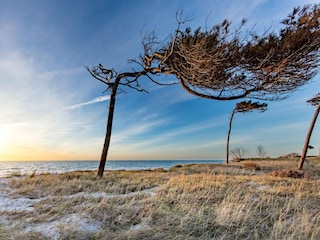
[
  {"x": 166, "y": 138},
  {"x": 93, "y": 101}
]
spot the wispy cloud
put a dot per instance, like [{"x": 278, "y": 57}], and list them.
[
  {"x": 93, "y": 101},
  {"x": 135, "y": 130},
  {"x": 166, "y": 138}
]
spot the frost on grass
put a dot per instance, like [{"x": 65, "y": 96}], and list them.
[
  {"x": 56, "y": 217},
  {"x": 9, "y": 203},
  {"x": 16, "y": 204},
  {"x": 72, "y": 222}
]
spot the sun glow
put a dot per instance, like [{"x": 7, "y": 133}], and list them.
[
  {"x": 4, "y": 135},
  {"x": 4, "y": 138},
  {"x": 8, "y": 147}
]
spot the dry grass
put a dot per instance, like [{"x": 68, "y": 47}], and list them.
[
  {"x": 244, "y": 200},
  {"x": 251, "y": 166}
]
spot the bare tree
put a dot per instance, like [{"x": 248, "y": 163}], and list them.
[
  {"x": 315, "y": 101},
  {"x": 261, "y": 151},
  {"x": 239, "y": 152},
  {"x": 225, "y": 64},
  {"x": 113, "y": 80},
  {"x": 243, "y": 107}
]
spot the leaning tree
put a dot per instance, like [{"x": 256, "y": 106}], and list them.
[
  {"x": 243, "y": 107},
  {"x": 224, "y": 63},
  {"x": 114, "y": 80},
  {"x": 315, "y": 101}
]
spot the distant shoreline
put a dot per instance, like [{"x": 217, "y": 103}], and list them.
[{"x": 52, "y": 167}]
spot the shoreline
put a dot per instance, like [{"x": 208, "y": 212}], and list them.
[{"x": 43, "y": 167}]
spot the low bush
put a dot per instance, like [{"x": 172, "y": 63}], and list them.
[
  {"x": 251, "y": 166},
  {"x": 288, "y": 173}
]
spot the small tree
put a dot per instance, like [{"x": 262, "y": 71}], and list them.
[
  {"x": 261, "y": 152},
  {"x": 243, "y": 107},
  {"x": 315, "y": 101},
  {"x": 239, "y": 152}
]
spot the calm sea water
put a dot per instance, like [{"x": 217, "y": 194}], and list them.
[{"x": 27, "y": 168}]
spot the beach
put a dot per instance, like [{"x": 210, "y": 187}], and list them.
[{"x": 251, "y": 199}]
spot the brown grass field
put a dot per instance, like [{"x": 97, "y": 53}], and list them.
[{"x": 251, "y": 199}]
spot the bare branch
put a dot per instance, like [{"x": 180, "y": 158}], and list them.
[
  {"x": 159, "y": 83},
  {"x": 95, "y": 75}
]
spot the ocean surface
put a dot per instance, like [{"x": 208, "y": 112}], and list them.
[{"x": 29, "y": 167}]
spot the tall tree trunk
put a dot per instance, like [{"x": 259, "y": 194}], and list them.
[
  {"x": 306, "y": 144},
  {"x": 107, "y": 139},
  {"x": 228, "y": 138}
]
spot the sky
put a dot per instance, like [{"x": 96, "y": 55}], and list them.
[{"x": 52, "y": 109}]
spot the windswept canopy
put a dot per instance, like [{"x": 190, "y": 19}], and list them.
[
  {"x": 248, "y": 106},
  {"x": 315, "y": 100},
  {"x": 226, "y": 64}
]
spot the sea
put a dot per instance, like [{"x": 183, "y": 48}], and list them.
[{"x": 18, "y": 168}]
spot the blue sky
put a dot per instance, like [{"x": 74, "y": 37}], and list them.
[{"x": 52, "y": 109}]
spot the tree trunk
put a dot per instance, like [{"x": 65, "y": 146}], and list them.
[
  {"x": 306, "y": 144},
  {"x": 228, "y": 138},
  {"x": 107, "y": 139}
]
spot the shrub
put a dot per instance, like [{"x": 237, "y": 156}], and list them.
[
  {"x": 251, "y": 166},
  {"x": 288, "y": 173}
]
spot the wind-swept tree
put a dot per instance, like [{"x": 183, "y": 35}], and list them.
[
  {"x": 243, "y": 107},
  {"x": 239, "y": 152},
  {"x": 315, "y": 101},
  {"x": 226, "y": 64},
  {"x": 114, "y": 80}
]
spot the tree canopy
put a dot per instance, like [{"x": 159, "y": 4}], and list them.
[
  {"x": 225, "y": 64},
  {"x": 315, "y": 100},
  {"x": 248, "y": 106}
]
